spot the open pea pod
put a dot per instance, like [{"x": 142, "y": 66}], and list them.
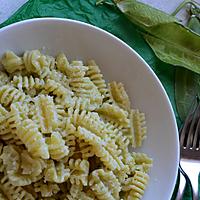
[
  {"x": 171, "y": 41},
  {"x": 187, "y": 83},
  {"x": 194, "y": 24}
]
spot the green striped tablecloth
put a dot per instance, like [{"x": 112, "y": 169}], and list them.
[{"x": 109, "y": 19}]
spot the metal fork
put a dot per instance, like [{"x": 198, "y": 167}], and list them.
[{"x": 190, "y": 148}]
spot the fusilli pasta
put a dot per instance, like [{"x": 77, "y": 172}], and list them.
[
  {"x": 80, "y": 171},
  {"x": 57, "y": 173},
  {"x": 65, "y": 134},
  {"x": 32, "y": 138},
  {"x": 13, "y": 192},
  {"x": 119, "y": 95},
  {"x": 105, "y": 185},
  {"x": 46, "y": 189},
  {"x": 57, "y": 147},
  {"x": 96, "y": 77},
  {"x": 9, "y": 94},
  {"x": 46, "y": 113},
  {"x": 27, "y": 82},
  {"x": 135, "y": 186},
  {"x": 137, "y": 128},
  {"x": 12, "y": 62}
]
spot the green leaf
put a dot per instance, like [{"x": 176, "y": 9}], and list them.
[
  {"x": 171, "y": 41},
  {"x": 187, "y": 87}
]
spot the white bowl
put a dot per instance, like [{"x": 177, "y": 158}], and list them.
[{"x": 118, "y": 62}]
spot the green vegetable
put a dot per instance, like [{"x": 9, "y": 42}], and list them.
[
  {"x": 187, "y": 83},
  {"x": 143, "y": 15},
  {"x": 175, "y": 44},
  {"x": 194, "y": 20},
  {"x": 171, "y": 41},
  {"x": 193, "y": 6},
  {"x": 187, "y": 86},
  {"x": 194, "y": 24}
]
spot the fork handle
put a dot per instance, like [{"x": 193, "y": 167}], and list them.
[
  {"x": 192, "y": 170},
  {"x": 182, "y": 184},
  {"x": 194, "y": 177},
  {"x": 195, "y": 182}
]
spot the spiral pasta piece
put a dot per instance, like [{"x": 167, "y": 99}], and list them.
[
  {"x": 13, "y": 192},
  {"x": 91, "y": 121},
  {"x": 11, "y": 160},
  {"x": 84, "y": 87},
  {"x": 57, "y": 147},
  {"x": 57, "y": 173},
  {"x": 73, "y": 70},
  {"x": 11, "y": 120},
  {"x": 57, "y": 89},
  {"x": 32, "y": 138},
  {"x": 70, "y": 140},
  {"x": 135, "y": 186},
  {"x": 27, "y": 82},
  {"x": 76, "y": 193},
  {"x": 61, "y": 115},
  {"x": 46, "y": 113},
  {"x": 105, "y": 185},
  {"x": 46, "y": 189},
  {"x": 80, "y": 171},
  {"x": 80, "y": 103},
  {"x": 59, "y": 77},
  {"x": 96, "y": 77},
  {"x": 31, "y": 165},
  {"x": 4, "y": 78},
  {"x": 142, "y": 161},
  {"x": 119, "y": 95},
  {"x": 12, "y": 62},
  {"x": 137, "y": 128},
  {"x": 9, "y": 94},
  {"x": 98, "y": 148},
  {"x": 32, "y": 61},
  {"x": 37, "y": 63},
  {"x": 113, "y": 112},
  {"x": 51, "y": 62},
  {"x": 18, "y": 179}
]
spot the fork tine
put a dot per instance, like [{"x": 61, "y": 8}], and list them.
[
  {"x": 196, "y": 142},
  {"x": 183, "y": 133},
  {"x": 193, "y": 126},
  {"x": 184, "y": 130}
]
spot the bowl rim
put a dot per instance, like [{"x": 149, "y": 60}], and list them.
[{"x": 149, "y": 69}]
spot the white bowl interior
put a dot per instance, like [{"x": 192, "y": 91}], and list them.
[{"x": 118, "y": 62}]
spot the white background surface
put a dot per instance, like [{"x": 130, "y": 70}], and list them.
[{"x": 8, "y": 7}]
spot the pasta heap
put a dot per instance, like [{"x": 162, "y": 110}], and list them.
[{"x": 65, "y": 134}]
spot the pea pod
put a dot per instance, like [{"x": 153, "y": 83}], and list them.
[
  {"x": 187, "y": 83},
  {"x": 170, "y": 40},
  {"x": 194, "y": 24}
]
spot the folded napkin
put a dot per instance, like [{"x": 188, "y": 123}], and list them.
[{"x": 111, "y": 20}]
